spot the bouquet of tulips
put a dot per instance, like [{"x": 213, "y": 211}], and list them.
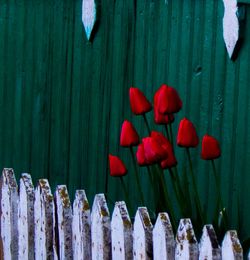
[{"x": 156, "y": 153}]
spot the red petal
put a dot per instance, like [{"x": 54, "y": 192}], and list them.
[
  {"x": 210, "y": 148},
  {"x": 187, "y": 136},
  {"x": 116, "y": 166},
  {"x": 129, "y": 136}
]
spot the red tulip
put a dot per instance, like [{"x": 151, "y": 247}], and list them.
[
  {"x": 162, "y": 118},
  {"x": 138, "y": 102},
  {"x": 210, "y": 148},
  {"x": 187, "y": 136},
  {"x": 116, "y": 166},
  {"x": 140, "y": 156},
  {"x": 129, "y": 136},
  {"x": 167, "y": 100},
  {"x": 170, "y": 160},
  {"x": 152, "y": 150}
]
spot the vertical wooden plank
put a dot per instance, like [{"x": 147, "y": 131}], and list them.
[
  {"x": 142, "y": 235},
  {"x": 231, "y": 247},
  {"x": 186, "y": 243},
  {"x": 8, "y": 216},
  {"x": 100, "y": 229},
  {"x": 163, "y": 238},
  {"x": 44, "y": 222},
  {"x": 64, "y": 222},
  {"x": 209, "y": 247},
  {"x": 81, "y": 227},
  {"x": 26, "y": 218},
  {"x": 121, "y": 232}
]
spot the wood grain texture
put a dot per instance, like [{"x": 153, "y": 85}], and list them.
[{"x": 63, "y": 99}]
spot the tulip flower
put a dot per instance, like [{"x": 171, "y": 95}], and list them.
[
  {"x": 153, "y": 150},
  {"x": 210, "y": 148},
  {"x": 116, "y": 166},
  {"x": 162, "y": 118},
  {"x": 129, "y": 136},
  {"x": 187, "y": 136},
  {"x": 140, "y": 156},
  {"x": 167, "y": 100},
  {"x": 138, "y": 102},
  {"x": 170, "y": 160}
]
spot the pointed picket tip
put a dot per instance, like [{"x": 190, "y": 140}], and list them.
[
  {"x": 231, "y": 247},
  {"x": 44, "y": 215},
  {"x": 230, "y": 26},
  {"x": 142, "y": 235},
  {"x": 186, "y": 242},
  {"x": 8, "y": 216},
  {"x": 64, "y": 222},
  {"x": 209, "y": 247},
  {"x": 121, "y": 232},
  {"x": 100, "y": 229},
  {"x": 163, "y": 238},
  {"x": 81, "y": 227},
  {"x": 88, "y": 16},
  {"x": 26, "y": 217}
]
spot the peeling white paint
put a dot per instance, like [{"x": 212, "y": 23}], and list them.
[
  {"x": 88, "y": 16},
  {"x": 64, "y": 222},
  {"x": 230, "y": 25},
  {"x": 231, "y": 247},
  {"x": 26, "y": 218},
  {"x": 142, "y": 235},
  {"x": 121, "y": 233},
  {"x": 163, "y": 238},
  {"x": 81, "y": 227},
  {"x": 209, "y": 247},
  {"x": 186, "y": 243},
  {"x": 100, "y": 229}
]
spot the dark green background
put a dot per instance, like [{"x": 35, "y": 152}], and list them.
[{"x": 63, "y": 99}]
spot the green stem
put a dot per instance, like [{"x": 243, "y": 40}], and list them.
[
  {"x": 167, "y": 198},
  {"x": 197, "y": 198},
  {"x": 167, "y": 132},
  {"x": 137, "y": 177},
  {"x": 146, "y": 122},
  {"x": 217, "y": 183},
  {"x": 126, "y": 194}
]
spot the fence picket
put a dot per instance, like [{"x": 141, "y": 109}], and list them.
[
  {"x": 26, "y": 218},
  {"x": 44, "y": 222},
  {"x": 231, "y": 247},
  {"x": 163, "y": 238},
  {"x": 34, "y": 225},
  {"x": 8, "y": 216},
  {"x": 81, "y": 227},
  {"x": 186, "y": 243},
  {"x": 209, "y": 247},
  {"x": 100, "y": 229},
  {"x": 64, "y": 222},
  {"x": 142, "y": 235},
  {"x": 121, "y": 232}
]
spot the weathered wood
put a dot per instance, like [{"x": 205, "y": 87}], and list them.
[
  {"x": 81, "y": 227},
  {"x": 44, "y": 222},
  {"x": 163, "y": 238},
  {"x": 121, "y": 233},
  {"x": 64, "y": 222},
  {"x": 88, "y": 16},
  {"x": 100, "y": 229},
  {"x": 142, "y": 235},
  {"x": 26, "y": 218},
  {"x": 8, "y": 216},
  {"x": 186, "y": 243},
  {"x": 230, "y": 25},
  {"x": 209, "y": 247},
  {"x": 231, "y": 247}
]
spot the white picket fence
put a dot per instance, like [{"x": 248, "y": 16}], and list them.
[{"x": 37, "y": 225}]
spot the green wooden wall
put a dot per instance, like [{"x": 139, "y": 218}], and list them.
[{"x": 63, "y": 99}]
